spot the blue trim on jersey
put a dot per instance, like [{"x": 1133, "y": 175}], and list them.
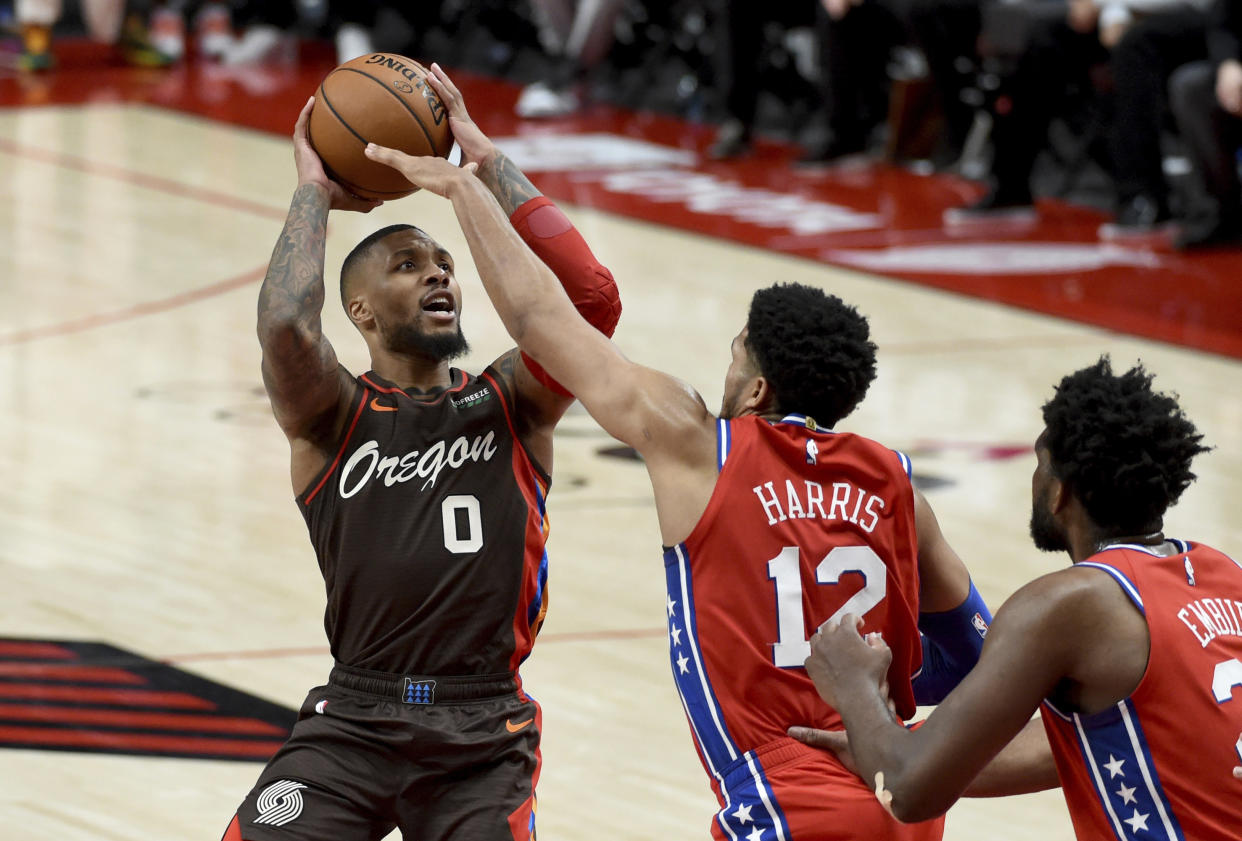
[
  {"x": 802, "y": 420},
  {"x": 1126, "y": 584},
  {"x": 751, "y": 804},
  {"x": 724, "y": 442},
  {"x": 532, "y": 609},
  {"x": 906, "y": 465},
  {"x": 702, "y": 709},
  {"x": 1116, "y": 753}
]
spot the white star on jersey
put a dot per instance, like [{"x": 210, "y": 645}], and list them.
[
  {"x": 682, "y": 663},
  {"x": 1136, "y": 821},
  {"x": 672, "y": 606},
  {"x": 1126, "y": 793},
  {"x": 755, "y": 834},
  {"x": 742, "y": 815},
  {"x": 1114, "y": 766},
  {"x": 675, "y": 635}
]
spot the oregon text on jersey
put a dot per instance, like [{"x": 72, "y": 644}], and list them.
[{"x": 398, "y": 469}]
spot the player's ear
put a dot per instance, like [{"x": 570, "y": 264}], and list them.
[
  {"x": 1060, "y": 493},
  {"x": 759, "y": 396},
  {"x": 359, "y": 312}
]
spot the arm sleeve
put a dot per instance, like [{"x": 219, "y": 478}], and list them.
[
  {"x": 590, "y": 285},
  {"x": 952, "y": 641}
]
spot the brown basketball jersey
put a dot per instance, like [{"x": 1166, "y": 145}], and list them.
[{"x": 429, "y": 526}]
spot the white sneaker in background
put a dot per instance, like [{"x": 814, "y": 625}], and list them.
[
  {"x": 167, "y": 32},
  {"x": 213, "y": 28},
  {"x": 352, "y": 40},
  {"x": 260, "y": 43},
  {"x": 539, "y": 101}
]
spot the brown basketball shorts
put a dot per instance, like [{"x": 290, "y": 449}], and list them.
[{"x": 438, "y": 758}]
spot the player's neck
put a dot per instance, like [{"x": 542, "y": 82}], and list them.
[
  {"x": 1092, "y": 540},
  {"x": 412, "y": 371}
]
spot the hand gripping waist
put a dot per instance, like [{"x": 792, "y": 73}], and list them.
[{"x": 423, "y": 689}]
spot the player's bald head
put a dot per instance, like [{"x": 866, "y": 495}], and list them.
[{"x": 350, "y": 269}]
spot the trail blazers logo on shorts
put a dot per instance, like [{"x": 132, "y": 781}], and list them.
[{"x": 280, "y": 803}]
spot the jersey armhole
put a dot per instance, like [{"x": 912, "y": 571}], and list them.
[
  {"x": 506, "y": 400},
  {"x": 1127, "y": 586},
  {"x": 307, "y": 496}
]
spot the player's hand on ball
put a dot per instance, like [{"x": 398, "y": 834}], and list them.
[
  {"x": 311, "y": 171},
  {"x": 476, "y": 147},
  {"x": 425, "y": 171}
]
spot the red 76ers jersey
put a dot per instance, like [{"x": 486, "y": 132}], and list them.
[
  {"x": 1157, "y": 764},
  {"x": 803, "y": 525}
]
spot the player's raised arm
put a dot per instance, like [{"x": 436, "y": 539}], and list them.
[
  {"x": 650, "y": 411},
  {"x": 300, "y": 369},
  {"x": 544, "y": 228}
]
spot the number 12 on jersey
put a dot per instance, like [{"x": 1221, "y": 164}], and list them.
[{"x": 793, "y": 646}]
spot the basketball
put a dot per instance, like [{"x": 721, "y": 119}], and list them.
[{"x": 376, "y": 98}]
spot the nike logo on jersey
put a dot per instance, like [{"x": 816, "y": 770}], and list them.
[
  {"x": 377, "y": 406},
  {"x": 521, "y": 725}
]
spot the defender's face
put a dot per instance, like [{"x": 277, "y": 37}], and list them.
[
  {"x": 740, "y": 376},
  {"x": 1046, "y": 532}
]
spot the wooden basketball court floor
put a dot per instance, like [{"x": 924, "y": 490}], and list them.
[{"x": 145, "y": 500}]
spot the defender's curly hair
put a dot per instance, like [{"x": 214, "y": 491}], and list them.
[
  {"x": 813, "y": 349},
  {"x": 1123, "y": 449}
]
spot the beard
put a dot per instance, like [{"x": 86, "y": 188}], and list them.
[
  {"x": 409, "y": 339},
  {"x": 1047, "y": 536}
]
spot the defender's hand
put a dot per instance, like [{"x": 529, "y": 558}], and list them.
[
  {"x": 833, "y": 740},
  {"x": 310, "y": 168},
  {"x": 426, "y": 171},
  {"x": 842, "y": 660},
  {"x": 476, "y": 147}
]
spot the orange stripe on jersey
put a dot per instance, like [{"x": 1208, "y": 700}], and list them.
[
  {"x": 349, "y": 434},
  {"x": 533, "y": 490}
]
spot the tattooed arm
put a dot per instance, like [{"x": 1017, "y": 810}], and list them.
[{"x": 303, "y": 379}]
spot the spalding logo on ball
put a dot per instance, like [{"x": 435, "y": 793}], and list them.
[{"x": 378, "y": 98}]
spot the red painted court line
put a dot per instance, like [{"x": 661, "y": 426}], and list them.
[
  {"x": 275, "y": 653},
  {"x": 138, "y": 719},
  {"x": 89, "y": 322},
  {"x": 141, "y": 179},
  {"x": 69, "y": 671},
  {"x": 35, "y": 650},
  {"x": 97, "y": 695},
  {"x": 103, "y": 739}
]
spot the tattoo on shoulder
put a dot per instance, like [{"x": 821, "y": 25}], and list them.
[{"x": 507, "y": 183}]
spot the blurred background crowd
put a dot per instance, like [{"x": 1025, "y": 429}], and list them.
[{"x": 1134, "y": 105}]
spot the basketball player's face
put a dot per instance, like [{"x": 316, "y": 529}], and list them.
[
  {"x": 1046, "y": 532},
  {"x": 740, "y": 377},
  {"x": 416, "y": 298}
]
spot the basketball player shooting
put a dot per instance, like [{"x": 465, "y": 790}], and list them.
[
  {"x": 773, "y": 522},
  {"x": 423, "y": 490}
]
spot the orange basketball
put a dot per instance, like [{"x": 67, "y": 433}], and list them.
[{"x": 376, "y": 98}]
